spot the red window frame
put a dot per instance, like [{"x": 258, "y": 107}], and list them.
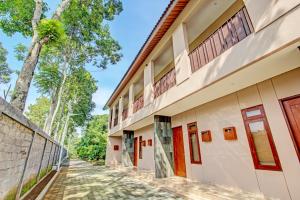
[
  {"x": 262, "y": 117},
  {"x": 140, "y": 147},
  {"x": 190, "y": 133}
]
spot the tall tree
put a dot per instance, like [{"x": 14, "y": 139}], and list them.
[
  {"x": 92, "y": 145},
  {"x": 4, "y": 70},
  {"x": 38, "y": 111},
  {"x": 28, "y": 17}
]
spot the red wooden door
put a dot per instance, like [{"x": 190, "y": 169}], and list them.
[
  {"x": 135, "y": 152},
  {"x": 292, "y": 109},
  {"x": 179, "y": 160}
]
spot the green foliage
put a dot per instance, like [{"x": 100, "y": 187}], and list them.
[
  {"x": 92, "y": 145},
  {"x": 16, "y": 16},
  {"x": 51, "y": 29},
  {"x": 81, "y": 86},
  {"x": 84, "y": 22},
  {"x": 4, "y": 70},
  {"x": 38, "y": 111},
  {"x": 28, "y": 185},
  {"x": 20, "y": 51},
  {"x": 43, "y": 172}
]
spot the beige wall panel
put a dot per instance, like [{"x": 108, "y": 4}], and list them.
[
  {"x": 287, "y": 84},
  {"x": 113, "y": 158},
  {"x": 249, "y": 97},
  {"x": 264, "y": 12},
  {"x": 226, "y": 162},
  {"x": 181, "y": 58},
  {"x": 147, "y": 162},
  {"x": 223, "y": 162},
  {"x": 282, "y": 139},
  {"x": 148, "y": 84},
  {"x": 272, "y": 184}
]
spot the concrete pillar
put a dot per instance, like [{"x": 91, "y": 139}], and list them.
[
  {"x": 130, "y": 100},
  {"x": 181, "y": 51},
  {"x": 148, "y": 83},
  {"x": 163, "y": 151}
]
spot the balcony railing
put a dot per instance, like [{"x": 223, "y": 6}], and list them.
[
  {"x": 165, "y": 83},
  {"x": 125, "y": 114},
  {"x": 138, "y": 104},
  {"x": 230, "y": 33}
]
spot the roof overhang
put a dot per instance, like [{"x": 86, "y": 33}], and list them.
[{"x": 170, "y": 14}]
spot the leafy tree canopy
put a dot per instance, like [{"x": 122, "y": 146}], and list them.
[
  {"x": 92, "y": 145},
  {"x": 38, "y": 111},
  {"x": 16, "y": 16}
]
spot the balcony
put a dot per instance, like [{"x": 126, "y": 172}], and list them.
[
  {"x": 230, "y": 33},
  {"x": 165, "y": 83},
  {"x": 138, "y": 104},
  {"x": 125, "y": 114}
]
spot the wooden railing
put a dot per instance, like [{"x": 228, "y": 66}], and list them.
[
  {"x": 165, "y": 83},
  {"x": 230, "y": 33},
  {"x": 138, "y": 104},
  {"x": 124, "y": 114}
]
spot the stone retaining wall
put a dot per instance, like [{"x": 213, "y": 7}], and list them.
[{"x": 21, "y": 141}]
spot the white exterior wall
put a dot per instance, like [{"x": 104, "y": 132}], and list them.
[
  {"x": 147, "y": 162},
  {"x": 113, "y": 157},
  {"x": 230, "y": 162}
]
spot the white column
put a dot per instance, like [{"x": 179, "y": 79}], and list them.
[
  {"x": 148, "y": 83},
  {"x": 181, "y": 51},
  {"x": 130, "y": 100}
]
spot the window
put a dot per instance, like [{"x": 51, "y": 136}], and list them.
[
  {"x": 194, "y": 143},
  {"x": 260, "y": 139},
  {"x": 141, "y": 147}
]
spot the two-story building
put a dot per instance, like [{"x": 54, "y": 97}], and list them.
[{"x": 214, "y": 95}]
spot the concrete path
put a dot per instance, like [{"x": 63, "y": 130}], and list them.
[{"x": 85, "y": 181}]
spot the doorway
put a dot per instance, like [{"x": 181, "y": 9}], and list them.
[
  {"x": 292, "y": 110},
  {"x": 179, "y": 158},
  {"x": 135, "y": 152}
]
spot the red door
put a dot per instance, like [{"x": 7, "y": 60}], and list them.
[
  {"x": 135, "y": 151},
  {"x": 179, "y": 161},
  {"x": 292, "y": 109}
]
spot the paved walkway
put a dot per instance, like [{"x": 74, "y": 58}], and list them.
[{"x": 85, "y": 181}]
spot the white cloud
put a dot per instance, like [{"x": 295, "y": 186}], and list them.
[{"x": 100, "y": 98}]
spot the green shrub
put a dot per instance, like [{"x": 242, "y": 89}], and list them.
[
  {"x": 51, "y": 29},
  {"x": 28, "y": 185}
]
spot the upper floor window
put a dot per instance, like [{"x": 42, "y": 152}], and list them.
[
  {"x": 220, "y": 35},
  {"x": 110, "y": 118},
  {"x": 194, "y": 143},
  {"x": 260, "y": 139},
  {"x": 116, "y": 114},
  {"x": 138, "y": 91},
  {"x": 164, "y": 70}
]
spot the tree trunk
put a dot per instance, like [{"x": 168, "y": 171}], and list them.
[
  {"x": 55, "y": 103},
  {"x": 20, "y": 93},
  {"x": 66, "y": 126},
  {"x": 22, "y": 86},
  {"x": 60, "y": 119},
  {"x": 54, "y": 99}
]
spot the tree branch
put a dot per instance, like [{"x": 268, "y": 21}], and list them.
[{"x": 60, "y": 9}]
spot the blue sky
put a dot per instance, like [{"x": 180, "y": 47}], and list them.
[{"x": 130, "y": 29}]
